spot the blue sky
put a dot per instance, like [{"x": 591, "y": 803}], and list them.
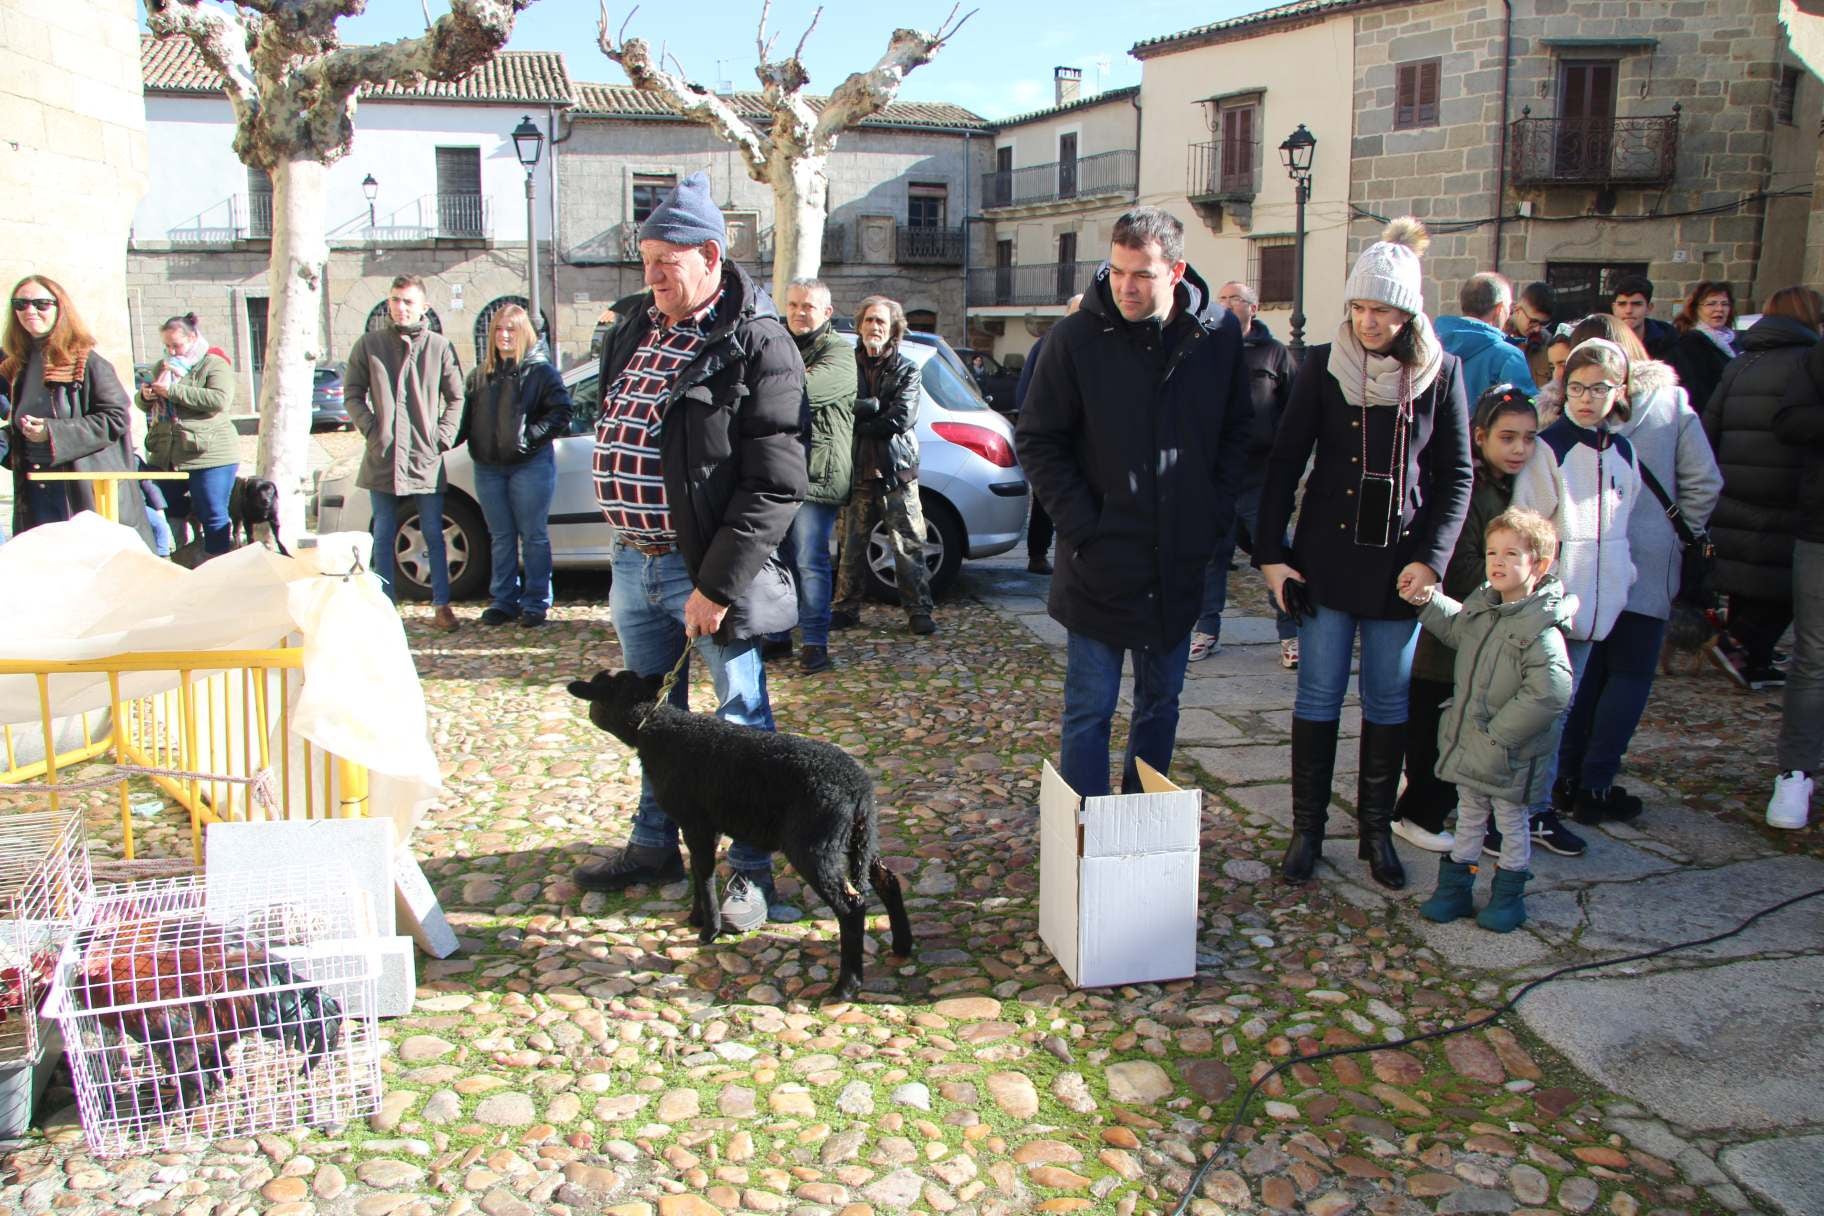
[{"x": 999, "y": 65}]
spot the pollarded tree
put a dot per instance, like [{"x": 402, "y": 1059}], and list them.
[
  {"x": 792, "y": 153},
  {"x": 293, "y": 87}
]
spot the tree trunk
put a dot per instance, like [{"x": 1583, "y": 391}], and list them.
[
  {"x": 801, "y": 193},
  {"x": 293, "y": 333}
]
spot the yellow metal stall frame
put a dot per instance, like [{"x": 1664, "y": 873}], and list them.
[{"x": 211, "y": 735}]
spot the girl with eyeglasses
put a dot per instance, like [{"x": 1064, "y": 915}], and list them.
[{"x": 69, "y": 410}]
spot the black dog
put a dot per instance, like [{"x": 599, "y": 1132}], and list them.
[
  {"x": 253, "y": 501},
  {"x": 798, "y": 796}
]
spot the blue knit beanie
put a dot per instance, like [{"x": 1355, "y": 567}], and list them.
[{"x": 687, "y": 216}]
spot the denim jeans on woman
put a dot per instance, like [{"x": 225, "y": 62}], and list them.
[
  {"x": 1801, "y": 746},
  {"x": 1092, "y": 683},
  {"x": 1617, "y": 678},
  {"x": 647, "y": 600},
  {"x": 516, "y": 502},
  {"x": 1326, "y": 651},
  {"x": 203, "y": 500},
  {"x": 806, "y": 552},
  {"x": 386, "y": 536}
]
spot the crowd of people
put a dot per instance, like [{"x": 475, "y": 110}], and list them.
[{"x": 1503, "y": 518}]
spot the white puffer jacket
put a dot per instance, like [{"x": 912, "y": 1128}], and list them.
[{"x": 1587, "y": 483}]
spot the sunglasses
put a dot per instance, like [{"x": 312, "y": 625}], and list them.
[{"x": 42, "y": 304}]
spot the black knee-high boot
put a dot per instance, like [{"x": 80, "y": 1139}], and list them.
[
  {"x": 1377, "y": 785},
  {"x": 1313, "y": 765}
]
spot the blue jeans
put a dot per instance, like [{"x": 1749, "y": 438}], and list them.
[
  {"x": 203, "y": 499},
  {"x": 386, "y": 535},
  {"x": 1611, "y": 700},
  {"x": 516, "y": 502},
  {"x": 1092, "y": 683},
  {"x": 646, "y": 600},
  {"x": 1326, "y": 648},
  {"x": 806, "y": 551},
  {"x": 1216, "y": 574}
]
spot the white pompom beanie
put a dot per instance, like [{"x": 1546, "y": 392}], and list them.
[{"x": 1388, "y": 270}]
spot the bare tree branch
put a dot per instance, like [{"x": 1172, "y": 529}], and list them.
[
  {"x": 692, "y": 101},
  {"x": 809, "y": 30},
  {"x": 221, "y": 38},
  {"x": 761, "y": 42},
  {"x": 471, "y": 33},
  {"x": 867, "y": 93}
]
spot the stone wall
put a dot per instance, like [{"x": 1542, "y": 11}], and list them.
[
  {"x": 73, "y": 160},
  {"x": 1716, "y": 58}
]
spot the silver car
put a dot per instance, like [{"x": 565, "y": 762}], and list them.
[{"x": 969, "y": 483}]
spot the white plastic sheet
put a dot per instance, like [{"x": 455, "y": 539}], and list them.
[{"x": 89, "y": 589}]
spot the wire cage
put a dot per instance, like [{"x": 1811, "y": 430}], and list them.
[
  {"x": 44, "y": 872},
  {"x": 219, "y": 1006}
]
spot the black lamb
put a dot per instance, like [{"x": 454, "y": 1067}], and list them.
[{"x": 801, "y": 797}]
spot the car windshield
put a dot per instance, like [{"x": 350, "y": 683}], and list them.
[
  {"x": 949, "y": 389},
  {"x": 327, "y": 375}
]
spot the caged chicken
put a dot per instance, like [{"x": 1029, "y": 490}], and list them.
[{"x": 189, "y": 990}]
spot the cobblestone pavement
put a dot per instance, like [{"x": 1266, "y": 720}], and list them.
[{"x": 582, "y": 1054}]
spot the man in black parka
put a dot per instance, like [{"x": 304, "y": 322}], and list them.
[{"x": 1134, "y": 436}]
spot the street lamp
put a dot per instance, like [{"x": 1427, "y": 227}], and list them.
[
  {"x": 1296, "y": 153},
  {"x": 528, "y": 142},
  {"x": 371, "y": 188}
]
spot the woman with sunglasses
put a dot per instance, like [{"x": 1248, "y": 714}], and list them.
[{"x": 69, "y": 410}]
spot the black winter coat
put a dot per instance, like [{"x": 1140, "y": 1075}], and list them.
[
  {"x": 1270, "y": 372},
  {"x": 90, "y": 433},
  {"x": 1758, "y": 513},
  {"x": 1134, "y": 437},
  {"x": 731, "y": 452},
  {"x": 1700, "y": 364},
  {"x": 1800, "y": 423},
  {"x": 1340, "y": 574},
  {"x": 514, "y": 414},
  {"x": 886, "y": 413}
]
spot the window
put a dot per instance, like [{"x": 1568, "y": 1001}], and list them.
[
  {"x": 648, "y": 190},
  {"x": 459, "y": 209},
  {"x": 1581, "y": 288},
  {"x": 1416, "y": 94},
  {"x": 1237, "y": 165},
  {"x": 1067, "y": 266},
  {"x": 1000, "y": 192},
  {"x": 256, "y": 332},
  {"x": 927, "y": 204},
  {"x": 921, "y": 320},
  {"x": 1272, "y": 261},
  {"x": 1786, "y": 94},
  {"x": 259, "y": 203},
  {"x": 1067, "y": 165}
]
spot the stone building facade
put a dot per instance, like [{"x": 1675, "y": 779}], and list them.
[
  {"x": 1676, "y": 140},
  {"x": 73, "y": 163}
]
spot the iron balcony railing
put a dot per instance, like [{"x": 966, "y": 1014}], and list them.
[
  {"x": 259, "y": 213},
  {"x": 461, "y": 215},
  {"x": 923, "y": 246},
  {"x": 1062, "y": 180},
  {"x": 1040, "y": 283},
  {"x": 1223, "y": 169},
  {"x": 1594, "y": 151}
]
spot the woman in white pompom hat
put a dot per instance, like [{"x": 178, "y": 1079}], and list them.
[{"x": 1382, "y": 408}]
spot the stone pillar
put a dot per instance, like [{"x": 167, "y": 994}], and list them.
[{"x": 73, "y": 160}]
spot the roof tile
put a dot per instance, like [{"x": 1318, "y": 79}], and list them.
[
  {"x": 625, "y": 101},
  {"x": 174, "y": 65},
  {"x": 1216, "y": 31}
]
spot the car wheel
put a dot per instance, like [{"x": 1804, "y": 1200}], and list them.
[
  {"x": 465, "y": 544},
  {"x": 944, "y": 545}
]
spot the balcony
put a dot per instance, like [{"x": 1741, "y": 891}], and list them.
[
  {"x": 925, "y": 246},
  {"x": 1036, "y": 285},
  {"x": 1223, "y": 171},
  {"x": 462, "y": 215},
  {"x": 259, "y": 214},
  {"x": 1062, "y": 181},
  {"x": 1594, "y": 151}
]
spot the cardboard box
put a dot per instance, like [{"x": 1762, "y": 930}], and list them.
[{"x": 1118, "y": 881}]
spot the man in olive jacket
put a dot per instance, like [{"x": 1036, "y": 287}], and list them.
[
  {"x": 829, "y": 390},
  {"x": 403, "y": 390},
  {"x": 1134, "y": 436},
  {"x": 699, "y": 467}
]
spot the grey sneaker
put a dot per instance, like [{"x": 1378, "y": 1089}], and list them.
[{"x": 750, "y": 901}]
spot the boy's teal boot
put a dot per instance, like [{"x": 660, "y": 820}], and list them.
[
  {"x": 1506, "y": 909},
  {"x": 1454, "y": 898}
]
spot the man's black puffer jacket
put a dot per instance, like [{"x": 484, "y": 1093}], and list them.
[{"x": 731, "y": 453}]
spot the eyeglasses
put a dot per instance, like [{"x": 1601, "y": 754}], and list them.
[
  {"x": 40, "y": 304},
  {"x": 1601, "y": 388}
]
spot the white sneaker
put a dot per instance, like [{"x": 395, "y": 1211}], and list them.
[
  {"x": 1203, "y": 645},
  {"x": 1431, "y": 842},
  {"x": 1790, "y": 805},
  {"x": 1288, "y": 654}
]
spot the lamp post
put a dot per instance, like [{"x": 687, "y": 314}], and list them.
[
  {"x": 528, "y": 142},
  {"x": 371, "y": 188},
  {"x": 1296, "y": 153}
]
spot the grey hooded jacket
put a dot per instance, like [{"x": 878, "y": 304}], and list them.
[{"x": 1513, "y": 681}]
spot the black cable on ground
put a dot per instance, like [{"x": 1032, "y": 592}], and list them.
[{"x": 1228, "y": 1136}]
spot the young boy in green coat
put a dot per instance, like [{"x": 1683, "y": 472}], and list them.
[{"x": 1497, "y": 737}]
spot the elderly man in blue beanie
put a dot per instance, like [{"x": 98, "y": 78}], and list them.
[{"x": 699, "y": 468}]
